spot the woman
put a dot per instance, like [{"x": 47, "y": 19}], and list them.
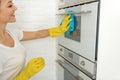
[{"x": 12, "y": 53}]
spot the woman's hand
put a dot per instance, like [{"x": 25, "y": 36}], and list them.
[
  {"x": 33, "y": 67},
  {"x": 56, "y": 31}
]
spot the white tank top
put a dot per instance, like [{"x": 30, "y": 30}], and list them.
[{"x": 12, "y": 59}]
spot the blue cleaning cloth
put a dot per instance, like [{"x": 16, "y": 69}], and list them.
[{"x": 73, "y": 23}]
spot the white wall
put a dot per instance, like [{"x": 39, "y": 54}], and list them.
[
  {"x": 109, "y": 41},
  {"x": 33, "y": 15}
]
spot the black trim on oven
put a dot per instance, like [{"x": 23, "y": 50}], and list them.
[{"x": 97, "y": 31}]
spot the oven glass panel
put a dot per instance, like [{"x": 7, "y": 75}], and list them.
[
  {"x": 75, "y": 35},
  {"x": 73, "y": 70},
  {"x": 68, "y": 76}
]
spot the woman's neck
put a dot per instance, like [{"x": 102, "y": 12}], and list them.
[{"x": 2, "y": 30}]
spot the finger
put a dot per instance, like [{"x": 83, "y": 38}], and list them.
[
  {"x": 38, "y": 65},
  {"x": 34, "y": 67},
  {"x": 68, "y": 27},
  {"x": 38, "y": 69},
  {"x": 68, "y": 21},
  {"x": 67, "y": 17},
  {"x": 36, "y": 61}
]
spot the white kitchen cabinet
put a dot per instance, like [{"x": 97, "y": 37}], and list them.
[{"x": 108, "y": 67}]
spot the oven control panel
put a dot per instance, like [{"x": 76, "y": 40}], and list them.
[{"x": 77, "y": 60}]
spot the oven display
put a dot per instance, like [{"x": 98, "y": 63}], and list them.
[{"x": 75, "y": 35}]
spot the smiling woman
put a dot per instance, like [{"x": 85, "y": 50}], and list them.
[
  {"x": 7, "y": 11},
  {"x": 12, "y": 53}
]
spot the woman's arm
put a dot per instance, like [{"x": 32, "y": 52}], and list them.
[
  {"x": 35, "y": 34},
  {"x": 53, "y": 32}
]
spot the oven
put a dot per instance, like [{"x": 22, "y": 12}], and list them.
[
  {"x": 71, "y": 66},
  {"x": 77, "y": 52},
  {"x": 83, "y": 40}
]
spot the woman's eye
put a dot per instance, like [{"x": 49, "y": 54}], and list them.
[{"x": 10, "y": 6}]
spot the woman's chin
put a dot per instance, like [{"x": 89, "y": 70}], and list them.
[{"x": 12, "y": 21}]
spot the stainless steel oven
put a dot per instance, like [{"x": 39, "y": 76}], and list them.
[
  {"x": 83, "y": 40},
  {"x": 74, "y": 67}
]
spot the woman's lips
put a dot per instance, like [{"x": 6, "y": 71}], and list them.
[{"x": 13, "y": 15}]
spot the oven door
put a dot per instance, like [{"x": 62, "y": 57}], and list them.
[
  {"x": 67, "y": 71},
  {"x": 83, "y": 39}
]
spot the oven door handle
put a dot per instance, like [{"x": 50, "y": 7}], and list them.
[
  {"x": 61, "y": 64},
  {"x": 81, "y": 12}
]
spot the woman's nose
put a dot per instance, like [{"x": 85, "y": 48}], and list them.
[{"x": 15, "y": 8}]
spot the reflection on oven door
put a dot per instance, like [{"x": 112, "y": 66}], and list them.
[
  {"x": 60, "y": 74},
  {"x": 70, "y": 73},
  {"x": 67, "y": 73}
]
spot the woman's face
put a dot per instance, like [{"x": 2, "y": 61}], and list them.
[{"x": 7, "y": 10}]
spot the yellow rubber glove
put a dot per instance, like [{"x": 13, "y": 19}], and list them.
[
  {"x": 56, "y": 31},
  {"x": 34, "y": 66}
]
